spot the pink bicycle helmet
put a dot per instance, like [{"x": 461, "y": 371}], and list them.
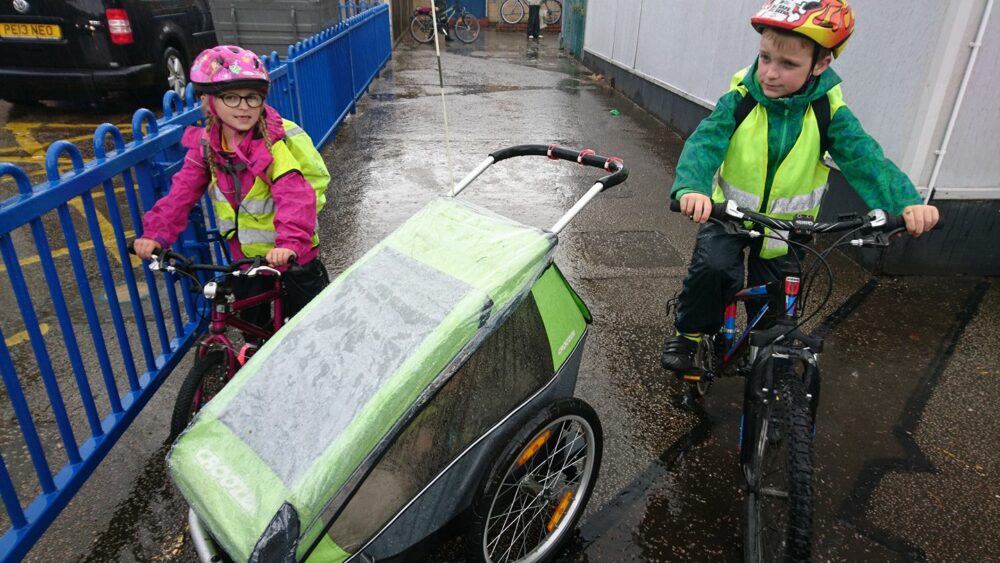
[{"x": 228, "y": 67}]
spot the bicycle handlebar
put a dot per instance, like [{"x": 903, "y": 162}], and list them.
[
  {"x": 876, "y": 219},
  {"x": 184, "y": 263},
  {"x": 615, "y": 165}
]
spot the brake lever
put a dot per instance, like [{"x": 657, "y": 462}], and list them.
[
  {"x": 877, "y": 240},
  {"x": 254, "y": 271},
  {"x": 731, "y": 227},
  {"x": 154, "y": 263}
]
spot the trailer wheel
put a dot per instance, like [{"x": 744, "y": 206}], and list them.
[{"x": 531, "y": 500}]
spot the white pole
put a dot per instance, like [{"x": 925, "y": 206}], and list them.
[{"x": 444, "y": 105}]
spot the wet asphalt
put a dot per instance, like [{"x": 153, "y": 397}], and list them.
[{"x": 906, "y": 466}]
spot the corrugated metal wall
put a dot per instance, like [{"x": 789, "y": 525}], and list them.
[{"x": 901, "y": 71}]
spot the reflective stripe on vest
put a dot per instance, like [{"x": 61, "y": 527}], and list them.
[{"x": 728, "y": 191}]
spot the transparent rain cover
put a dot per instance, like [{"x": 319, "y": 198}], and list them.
[{"x": 307, "y": 409}]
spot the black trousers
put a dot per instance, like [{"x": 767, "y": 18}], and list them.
[
  {"x": 533, "y": 21},
  {"x": 717, "y": 273}
]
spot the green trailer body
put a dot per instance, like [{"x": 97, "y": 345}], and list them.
[{"x": 281, "y": 449}]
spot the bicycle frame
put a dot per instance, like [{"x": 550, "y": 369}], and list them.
[{"x": 225, "y": 315}]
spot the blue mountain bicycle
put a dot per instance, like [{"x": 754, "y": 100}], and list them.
[{"x": 781, "y": 367}]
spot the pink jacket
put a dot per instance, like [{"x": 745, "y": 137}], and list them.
[{"x": 294, "y": 198}]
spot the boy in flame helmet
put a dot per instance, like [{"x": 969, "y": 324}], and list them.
[{"x": 763, "y": 146}]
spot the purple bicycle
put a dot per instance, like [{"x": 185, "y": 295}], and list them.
[{"x": 218, "y": 357}]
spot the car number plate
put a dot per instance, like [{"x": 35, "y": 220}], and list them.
[{"x": 30, "y": 31}]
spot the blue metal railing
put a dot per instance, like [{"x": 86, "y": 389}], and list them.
[{"x": 118, "y": 330}]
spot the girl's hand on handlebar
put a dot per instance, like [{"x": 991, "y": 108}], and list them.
[
  {"x": 279, "y": 256},
  {"x": 696, "y": 206},
  {"x": 920, "y": 218},
  {"x": 144, "y": 247}
]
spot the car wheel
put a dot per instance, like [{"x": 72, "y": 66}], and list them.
[{"x": 172, "y": 74}]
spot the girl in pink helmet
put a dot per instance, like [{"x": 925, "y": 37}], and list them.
[{"x": 254, "y": 166}]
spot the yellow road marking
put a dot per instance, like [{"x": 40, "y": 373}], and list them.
[
  {"x": 107, "y": 231},
  {"x": 22, "y": 337},
  {"x": 23, "y": 135}
]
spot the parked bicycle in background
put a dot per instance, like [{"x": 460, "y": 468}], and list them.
[
  {"x": 515, "y": 11},
  {"x": 462, "y": 21}
]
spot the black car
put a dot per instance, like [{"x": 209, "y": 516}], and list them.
[{"x": 84, "y": 49}]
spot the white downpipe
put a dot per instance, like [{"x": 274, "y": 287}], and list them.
[{"x": 939, "y": 154}]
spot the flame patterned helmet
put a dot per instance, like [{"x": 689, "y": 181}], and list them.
[
  {"x": 228, "y": 67},
  {"x": 829, "y": 23}
]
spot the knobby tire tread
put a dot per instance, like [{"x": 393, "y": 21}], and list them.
[
  {"x": 800, "y": 471},
  {"x": 794, "y": 423}
]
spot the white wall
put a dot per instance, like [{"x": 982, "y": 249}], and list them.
[{"x": 901, "y": 71}]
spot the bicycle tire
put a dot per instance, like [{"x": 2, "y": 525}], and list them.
[
  {"x": 422, "y": 28},
  {"x": 554, "y": 12},
  {"x": 779, "y": 503},
  {"x": 704, "y": 362},
  {"x": 467, "y": 28},
  {"x": 567, "y": 430},
  {"x": 512, "y": 11},
  {"x": 212, "y": 370}
]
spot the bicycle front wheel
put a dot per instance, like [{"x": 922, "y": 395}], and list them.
[
  {"x": 512, "y": 11},
  {"x": 778, "y": 507},
  {"x": 467, "y": 28},
  {"x": 208, "y": 376},
  {"x": 422, "y": 28},
  {"x": 554, "y": 13}
]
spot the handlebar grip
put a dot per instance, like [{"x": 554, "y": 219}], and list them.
[
  {"x": 893, "y": 222},
  {"x": 619, "y": 173},
  {"x": 718, "y": 209}
]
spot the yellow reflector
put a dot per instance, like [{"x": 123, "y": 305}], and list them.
[
  {"x": 692, "y": 378},
  {"x": 533, "y": 447},
  {"x": 557, "y": 516}
]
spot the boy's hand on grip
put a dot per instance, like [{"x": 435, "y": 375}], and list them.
[
  {"x": 920, "y": 218},
  {"x": 696, "y": 206}
]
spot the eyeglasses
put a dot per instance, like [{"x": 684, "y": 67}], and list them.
[{"x": 233, "y": 100}]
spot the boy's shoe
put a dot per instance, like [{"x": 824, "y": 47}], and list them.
[
  {"x": 678, "y": 353},
  {"x": 531, "y": 37},
  {"x": 539, "y": 35}
]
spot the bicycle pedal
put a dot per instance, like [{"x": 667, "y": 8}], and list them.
[{"x": 691, "y": 377}]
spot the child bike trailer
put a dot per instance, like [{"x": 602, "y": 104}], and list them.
[{"x": 433, "y": 378}]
